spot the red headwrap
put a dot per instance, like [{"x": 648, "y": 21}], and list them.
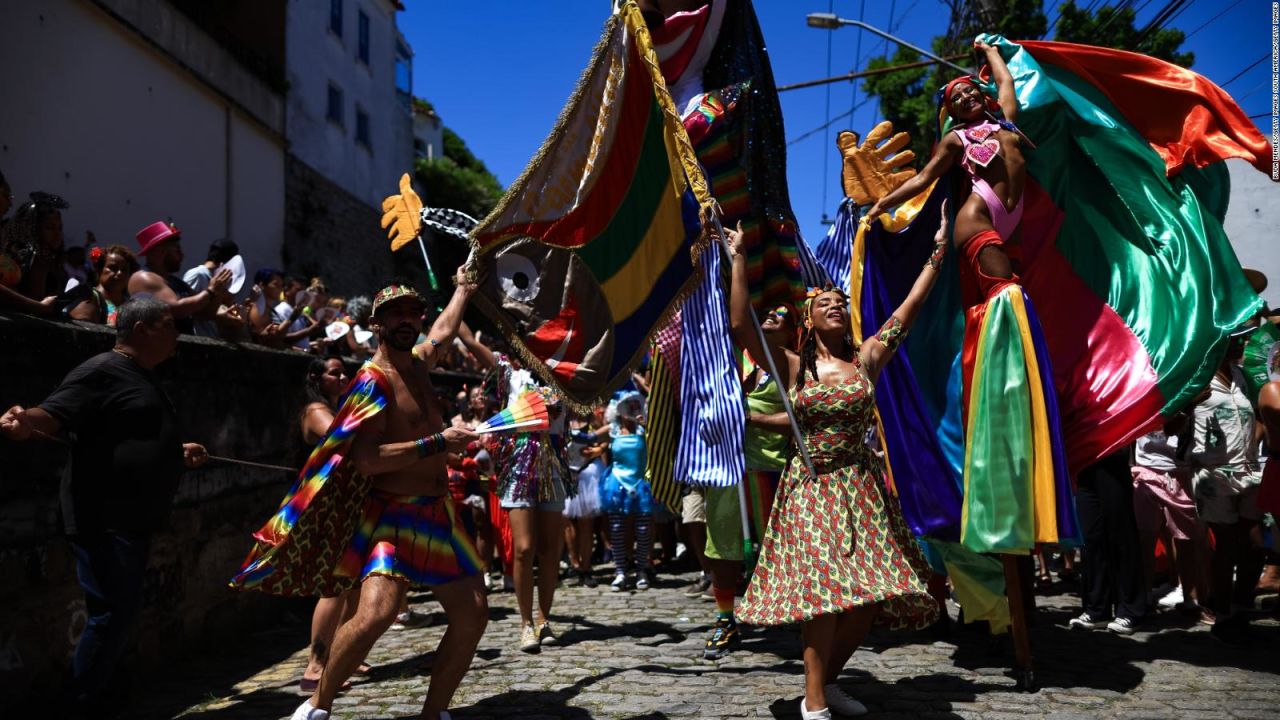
[{"x": 983, "y": 74}]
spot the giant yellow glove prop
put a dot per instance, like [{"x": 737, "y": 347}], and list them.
[
  {"x": 877, "y": 166},
  {"x": 402, "y": 215}
]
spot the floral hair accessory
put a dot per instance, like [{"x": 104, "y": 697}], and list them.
[{"x": 95, "y": 255}]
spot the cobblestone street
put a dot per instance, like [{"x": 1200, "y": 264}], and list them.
[{"x": 638, "y": 655}]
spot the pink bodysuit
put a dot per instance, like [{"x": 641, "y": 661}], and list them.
[{"x": 980, "y": 148}]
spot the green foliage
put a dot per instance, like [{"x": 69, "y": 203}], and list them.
[
  {"x": 446, "y": 183},
  {"x": 1109, "y": 27},
  {"x": 907, "y": 96},
  {"x": 459, "y": 180}
]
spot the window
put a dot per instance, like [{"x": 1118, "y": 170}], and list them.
[
  {"x": 334, "y": 112},
  {"x": 404, "y": 75},
  {"x": 362, "y": 38},
  {"x": 362, "y": 129},
  {"x": 335, "y": 17}
]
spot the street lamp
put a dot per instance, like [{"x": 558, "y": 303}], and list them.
[{"x": 831, "y": 21}]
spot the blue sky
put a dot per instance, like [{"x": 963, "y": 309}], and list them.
[{"x": 499, "y": 72}]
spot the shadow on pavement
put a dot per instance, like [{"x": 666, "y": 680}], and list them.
[
  {"x": 584, "y": 630},
  {"x": 908, "y": 697}
]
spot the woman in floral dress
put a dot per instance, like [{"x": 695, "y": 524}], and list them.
[{"x": 837, "y": 554}]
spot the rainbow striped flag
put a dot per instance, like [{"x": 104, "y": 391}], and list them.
[
  {"x": 591, "y": 248},
  {"x": 300, "y": 546}
]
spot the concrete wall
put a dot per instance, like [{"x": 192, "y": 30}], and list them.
[
  {"x": 318, "y": 57},
  {"x": 1253, "y": 224},
  {"x": 134, "y": 123},
  {"x": 332, "y": 234},
  {"x": 241, "y": 401}
]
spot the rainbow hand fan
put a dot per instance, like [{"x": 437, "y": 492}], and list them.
[{"x": 528, "y": 413}]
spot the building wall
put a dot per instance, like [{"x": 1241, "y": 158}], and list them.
[
  {"x": 428, "y": 130},
  {"x": 113, "y": 123},
  {"x": 317, "y": 57},
  {"x": 1253, "y": 224}
]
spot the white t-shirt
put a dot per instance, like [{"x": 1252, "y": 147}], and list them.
[
  {"x": 1157, "y": 451},
  {"x": 1224, "y": 435}
]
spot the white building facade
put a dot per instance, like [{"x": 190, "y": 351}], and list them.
[
  {"x": 348, "y": 107},
  {"x": 134, "y": 113}
]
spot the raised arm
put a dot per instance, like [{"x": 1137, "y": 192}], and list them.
[
  {"x": 203, "y": 304},
  {"x": 446, "y": 325},
  {"x": 740, "y": 320},
  {"x": 1004, "y": 80},
  {"x": 483, "y": 354},
  {"x": 943, "y": 158},
  {"x": 877, "y": 350}
]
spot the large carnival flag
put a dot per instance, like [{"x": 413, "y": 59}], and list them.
[
  {"x": 1122, "y": 251},
  {"x": 591, "y": 248}
]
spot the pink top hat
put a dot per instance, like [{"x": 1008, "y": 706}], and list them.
[{"x": 152, "y": 235}]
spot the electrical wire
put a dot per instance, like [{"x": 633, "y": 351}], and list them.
[
  {"x": 1251, "y": 66},
  {"x": 1210, "y": 20}
]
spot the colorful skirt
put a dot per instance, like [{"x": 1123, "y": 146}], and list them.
[
  {"x": 532, "y": 471},
  {"x": 1016, "y": 489},
  {"x": 835, "y": 543},
  {"x": 618, "y": 498},
  {"x": 421, "y": 540},
  {"x": 586, "y": 503}
]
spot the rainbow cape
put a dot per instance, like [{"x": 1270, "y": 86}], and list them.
[
  {"x": 591, "y": 248},
  {"x": 1122, "y": 252},
  {"x": 300, "y": 547}
]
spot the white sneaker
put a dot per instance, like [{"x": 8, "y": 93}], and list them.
[
  {"x": 823, "y": 714},
  {"x": 307, "y": 711},
  {"x": 1122, "y": 626},
  {"x": 487, "y": 580},
  {"x": 1087, "y": 621},
  {"x": 619, "y": 583},
  {"x": 839, "y": 701},
  {"x": 1172, "y": 599}
]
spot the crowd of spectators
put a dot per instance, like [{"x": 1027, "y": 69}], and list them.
[{"x": 40, "y": 274}]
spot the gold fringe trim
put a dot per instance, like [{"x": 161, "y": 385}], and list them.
[
  {"x": 598, "y": 54},
  {"x": 680, "y": 154}
]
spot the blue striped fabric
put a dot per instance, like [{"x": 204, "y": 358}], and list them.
[
  {"x": 835, "y": 252},
  {"x": 711, "y": 416},
  {"x": 812, "y": 272}
]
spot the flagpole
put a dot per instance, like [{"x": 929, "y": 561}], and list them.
[{"x": 773, "y": 369}]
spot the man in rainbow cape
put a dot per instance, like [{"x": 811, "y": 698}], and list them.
[
  {"x": 372, "y": 506},
  {"x": 1116, "y": 217}
]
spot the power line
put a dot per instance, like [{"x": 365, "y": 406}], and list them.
[
  {"x": 1215, "y": 17},
  {"x": 1166, "y": 13},
  {"x": 863, "y": 73},
  {"x": 1115, "y": 13},
  {"x": 829, "y": 123},
  {"x": 1252, "y": 65}
]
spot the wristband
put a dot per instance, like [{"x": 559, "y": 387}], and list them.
[
  {"x": 430, "y": 445},
  {"x": 939, "y": 251}
]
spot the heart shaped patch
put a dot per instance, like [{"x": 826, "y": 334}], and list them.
[
  {"x": 981, "y": 153},
  {"x": 978, "y": 133}
]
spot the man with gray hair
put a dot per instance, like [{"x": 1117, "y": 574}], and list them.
[{"x": 126, "y": 459}]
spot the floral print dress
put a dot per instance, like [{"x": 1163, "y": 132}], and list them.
[{"x": 838, "y": 541}]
